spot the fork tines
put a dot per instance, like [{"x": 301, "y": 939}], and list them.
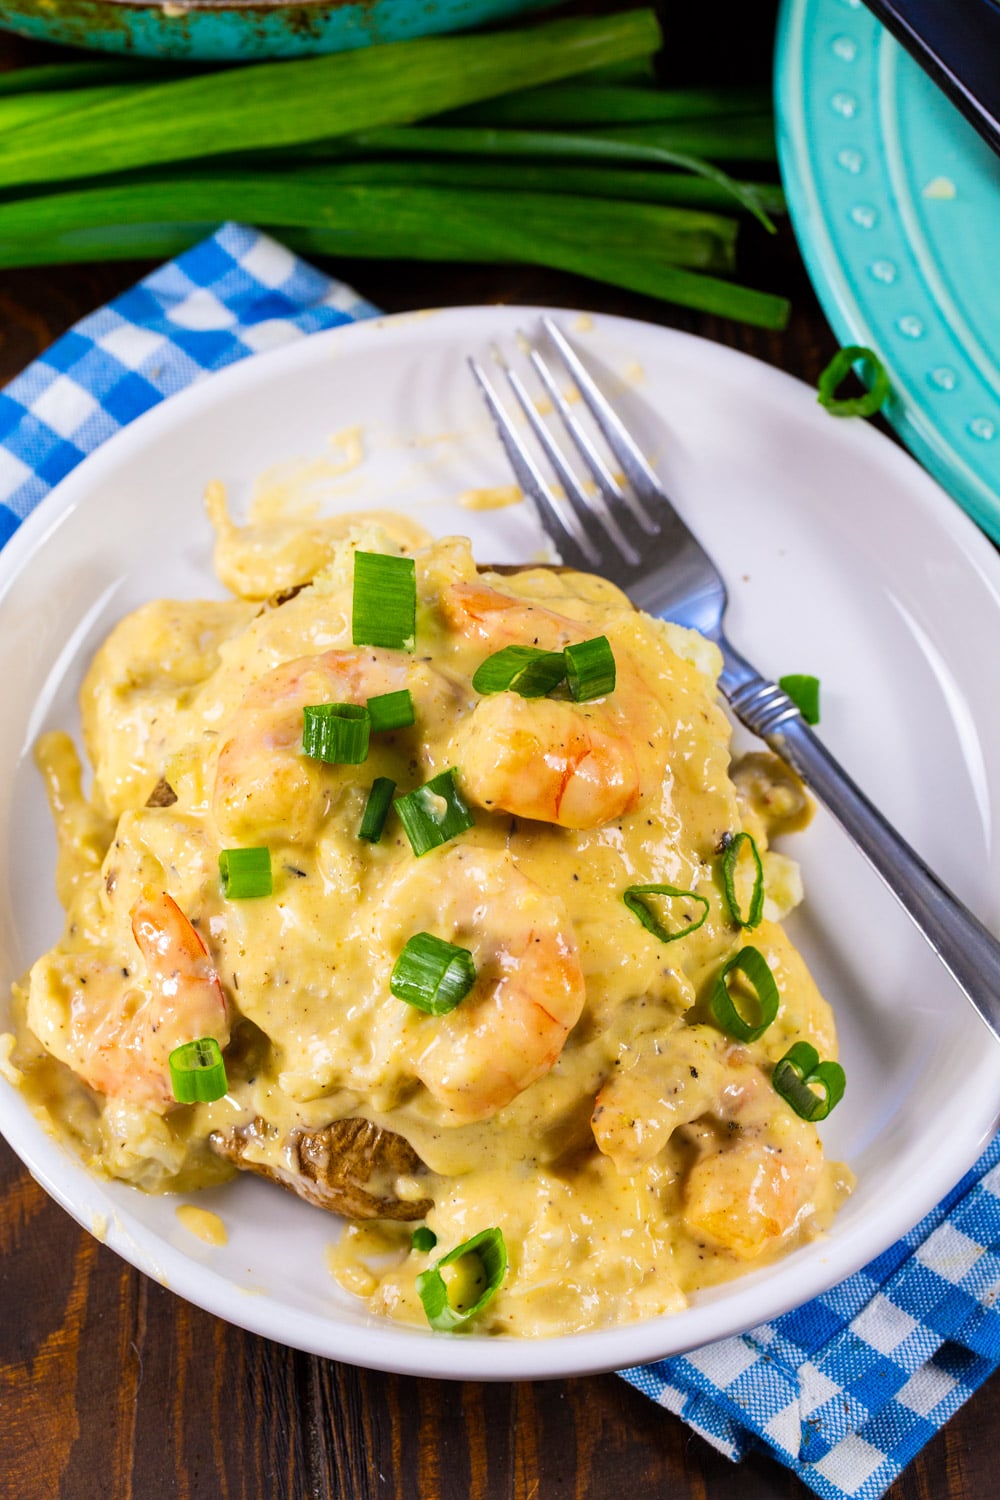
[{"x": 570, "y": 510}]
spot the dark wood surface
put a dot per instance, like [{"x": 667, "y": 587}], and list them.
[{"x": 112, "y": 1388}]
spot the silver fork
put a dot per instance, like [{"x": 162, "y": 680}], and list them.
[{"x": 639, "y": 542}]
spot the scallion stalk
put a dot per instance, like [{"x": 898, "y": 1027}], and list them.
[
  {"x": 590, "y": 102},
  {"x": 283, "y": 103}
]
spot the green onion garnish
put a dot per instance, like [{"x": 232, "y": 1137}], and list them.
[
  {"x": 336, "y": 732},
  {"x": 752, "y": 964},
  {"x": 197, "y": 1072},
  {"x": 385, "y": 601},
  {"x": 434, "y": 813},
  {"x": 636, "y": 899},
  {"x": 376, "y": 809},
  {"x": 432, "y": 975},
  {"x": 391, "y": 711},
  {"x": 755, "y": 910},
  {"x": 590, "y": 668},
  {"x": 488, "y": 1249},
  {"x": 853, "y": 406},
  {"x": 804, "y": 693},
  {"x": 526, "y": 670},
  {"x": 800, "y": 1067},
  {"x": 245, "y": 873},
  {"x": 423, "y": 1239}
]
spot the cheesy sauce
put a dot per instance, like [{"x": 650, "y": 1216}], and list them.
[{"x": 580, "y": 1098}]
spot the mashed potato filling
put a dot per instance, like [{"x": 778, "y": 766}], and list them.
[{"x": 581, "y": 1097}]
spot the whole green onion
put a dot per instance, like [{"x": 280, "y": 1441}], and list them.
[
  {"x": 489, "y": 1249},
  {"x": 284, "y": 103},
  {"x": 197, "y": 1072},
  {"x": 590, "y": 102},
  {"x": 753, "y": 965}
]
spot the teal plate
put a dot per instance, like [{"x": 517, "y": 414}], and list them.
[
  {"x": 896, "y": 205},
  {"x": 244, "y": 30}
]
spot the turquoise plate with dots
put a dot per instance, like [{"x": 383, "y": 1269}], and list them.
[{"x": 895, "y": 202}]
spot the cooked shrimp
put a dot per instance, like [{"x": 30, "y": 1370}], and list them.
[
  {"x": 558, "y": 762},
  {"x": 759, "y": 1164},
  {"x": 264, "y": 786},
  {"x": 749, "y": 1193},
  {"x": 661, "y": 1081},
  {"x": 529, "y": 990},
  {"x": 578, "y": 765},
  {"x": 116, "y": 1035},
  {"x": 484, "y": 613}
]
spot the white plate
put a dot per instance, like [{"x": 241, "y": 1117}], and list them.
[{"x": 843, "y": 558}]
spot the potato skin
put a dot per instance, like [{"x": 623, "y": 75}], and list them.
[{"x": 346, "y": 1167}]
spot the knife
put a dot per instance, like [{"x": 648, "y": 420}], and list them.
[{"x": 957, "y": 43}]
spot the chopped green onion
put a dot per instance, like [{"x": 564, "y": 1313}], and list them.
[
  {"x": 489, "y": 1250},
  {"x": 434, "y": 813},
  {"x": 755, "y": 910},
  {"x": 336, "y": 733},
  {"x": 245, "y": 873},
  {"x": 752, "y": 964},
  {"x": 800, "y": 1067},
  {"x": 432, "y": 975},
  {"x": 635, "y": 899},
  {"x": 520, "y": 669},
  {"x": 423, "y": 1239},
  {"x": 804, "y": 693},
  {"x": 391, "y": 711},
  {"x": 385, "y": 601},
  {"x": 197, "y": 1072},
  {"x": 376, "y": 809},
  {"x": 590, "y": 668},
  {"x": 853, "y": 406}
]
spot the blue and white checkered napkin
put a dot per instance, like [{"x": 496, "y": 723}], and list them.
[{"x": 845, "y": 1390}]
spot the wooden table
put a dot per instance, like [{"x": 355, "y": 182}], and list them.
[{"x": 112, "y": 1388}]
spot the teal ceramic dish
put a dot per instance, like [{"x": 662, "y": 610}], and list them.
[
  {"x": 227, "y": 30},
  {"x": 896, "y": 205}
]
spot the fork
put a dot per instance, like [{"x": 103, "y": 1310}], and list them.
[{"x": 639, "y": 542}]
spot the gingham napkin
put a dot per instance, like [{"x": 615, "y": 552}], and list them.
[{"x": 845, "y": 1390}]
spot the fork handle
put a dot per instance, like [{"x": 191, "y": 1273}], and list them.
[{"x": 965, "y": 947}]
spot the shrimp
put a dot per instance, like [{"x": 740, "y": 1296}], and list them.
[
  {"x": 579, "y": 765},
  {"x": 118, "y": 1037},
  {"x": 759, "y": 1166},
  {"x": 557, "y": 762},
  {"x": 483, "y": 613},
  {"x": 264, "y": 786},
  {"x": 662, "y": 1081},
  {"x": 510, "y": 1028}
]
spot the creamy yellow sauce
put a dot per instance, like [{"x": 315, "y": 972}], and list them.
[
  {"x": 580, "y": 1098},
  {"x": 202, "y": 1223},
  {"x": 491, "y": 497}
]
